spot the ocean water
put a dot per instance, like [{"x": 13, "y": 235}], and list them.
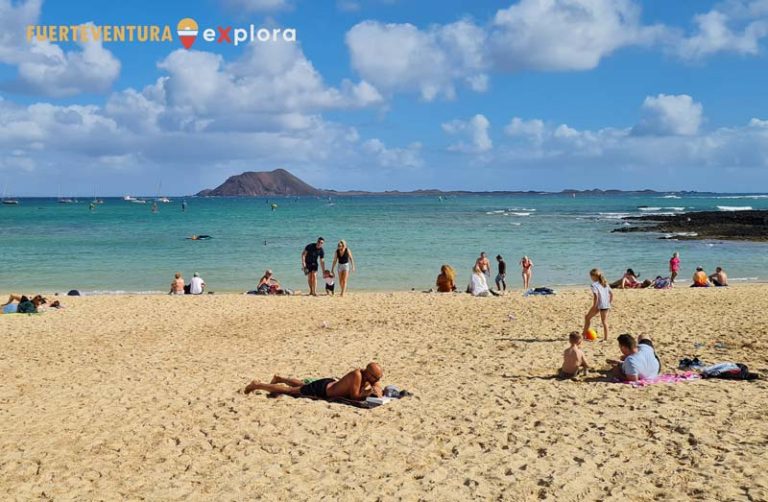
[{"x": 399, "y": 242}]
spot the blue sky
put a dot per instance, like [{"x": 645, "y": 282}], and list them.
[{"x": 391, "y": 94}]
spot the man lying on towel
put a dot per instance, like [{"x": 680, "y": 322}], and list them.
[{"x": 357, "y": 384}]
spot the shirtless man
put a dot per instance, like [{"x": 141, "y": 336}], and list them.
[
  {"x": 357, "y": 384},
  {"x": 719, "y": 278},
  {"x": 485, "y": 265}
]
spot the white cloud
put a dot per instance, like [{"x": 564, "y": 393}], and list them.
[
  {"x": 735, "y": 26},
  {"x": 45, "y": 68},
  {"x": 475, "y": 130},
  {"x": 559, "y": 35},
  {"x": 533, "y": 129},
  {"x": 393, "y": 157},
  {"x": 669, "y": 115},
  {"x": 400, "y": 57},
  {"x": 672, "y": 143},
  {"x": 50, "y": 71}
]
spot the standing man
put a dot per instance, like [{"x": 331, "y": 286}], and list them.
[
  {"x": 485, "y": 266},
  {"x": 312, "y": 252},
  {"x": 501, "y": 282}
]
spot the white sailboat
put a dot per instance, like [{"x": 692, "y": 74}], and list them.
[{"x": 9, "y": 201}]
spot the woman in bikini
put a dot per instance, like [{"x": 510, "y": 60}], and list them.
[
  {"x": 346, "y": 262},
  {"x": 526, "y": 265}
]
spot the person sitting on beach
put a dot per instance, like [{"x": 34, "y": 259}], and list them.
[
  {"x": 269, "y": 285},
  {"x": 177, "y": 285},
  {"x": 573, "y": 357},
  {"x": 630, "y": 281},
  {"x": 446, "y": 281},
  {"x": 646, "y": 340},
  {"x": 358, "y": 384},
  {"x": 700, "y": 279},
  {"x": 638, "y": 362},
  {"x": 196, "y": 285},
  {"x": 719, "y": 278},
  {"x": 479, "y": 285}
]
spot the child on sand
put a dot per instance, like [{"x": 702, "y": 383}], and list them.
[
  {"x": 573, "y": 357},
  {"x": 330, "y": 284},
  {"x": 602, "y": 297}
]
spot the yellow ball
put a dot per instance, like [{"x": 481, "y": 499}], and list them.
[{"x": 591, "y": 335}]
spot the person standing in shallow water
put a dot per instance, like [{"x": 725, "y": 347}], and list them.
[{"x": 346, "y": 263}]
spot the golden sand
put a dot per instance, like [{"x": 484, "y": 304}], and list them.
[{"x": 141, "y": 397}]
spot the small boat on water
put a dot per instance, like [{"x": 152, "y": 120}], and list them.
[
  {"x": 10, "y": 202},
  {"x": 66, "y": 201},
  {"x": 164, "y": 200},
  {"x": 137, "y": 201},
  {"x": 129, "y": 198}
]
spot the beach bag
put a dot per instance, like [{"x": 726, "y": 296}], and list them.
[
  {"x": 26, "y": 308},
  {"x": 729, "y": 371}
]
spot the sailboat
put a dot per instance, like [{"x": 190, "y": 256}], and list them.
[
  {"x": 163, "y": 199},
  {"x": 64, "y": 200},
  {"x": 7, "y": 201}
]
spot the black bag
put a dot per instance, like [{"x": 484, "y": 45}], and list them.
[{"x": 26, "y": 308}]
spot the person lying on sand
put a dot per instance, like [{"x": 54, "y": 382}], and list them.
[
  {"x": 573, "y": 357},
  {"x": 638, "y": 362},
  {"x": 357, "y": 384}
]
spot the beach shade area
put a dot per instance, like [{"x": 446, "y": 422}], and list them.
[{"x": 141, "y": 397}]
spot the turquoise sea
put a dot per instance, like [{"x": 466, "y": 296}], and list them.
[{"x": 399, "y": 242}]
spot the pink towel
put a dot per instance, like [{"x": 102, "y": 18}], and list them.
[{"x": 669, "y": 378}]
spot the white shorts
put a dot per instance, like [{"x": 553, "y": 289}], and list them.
[{"x": 343, "y": 267}]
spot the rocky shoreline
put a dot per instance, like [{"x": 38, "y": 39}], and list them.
[{"x": 718, "y": 225}]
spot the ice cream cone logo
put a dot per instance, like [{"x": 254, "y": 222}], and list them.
[{"x": 187, "y": 31}]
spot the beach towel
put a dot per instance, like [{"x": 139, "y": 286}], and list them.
[
  {"x": 539, "y": 292},
  {"x": 391, "y": 393},
  {"x": 668, "y": 378}
]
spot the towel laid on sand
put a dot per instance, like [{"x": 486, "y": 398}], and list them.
[{"x": 668, "y": 378}]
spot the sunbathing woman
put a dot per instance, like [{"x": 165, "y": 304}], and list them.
[{"x": 630, "y": 281}]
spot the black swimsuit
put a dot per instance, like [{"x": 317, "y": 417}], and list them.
[{"x": 318, "y": 388}]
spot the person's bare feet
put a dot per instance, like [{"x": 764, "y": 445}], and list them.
[{"x": 251, "y": 387}]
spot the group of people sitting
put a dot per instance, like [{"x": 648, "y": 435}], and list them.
[
  {"x": 638, "y": 359},
  {"x": 269, "y": 285},
  {"x": 196, "y": 285},
  {"x": 21, "y": 304},
  {"x": 631, "y": 280},
  {"x": 702, "y": 280}
]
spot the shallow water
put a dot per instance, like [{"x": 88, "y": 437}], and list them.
[{"x": 399, "y": 243}]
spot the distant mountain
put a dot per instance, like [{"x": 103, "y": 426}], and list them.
[
  {"x": 277, "y": 182},
  {"x": 281, "y": 182}
]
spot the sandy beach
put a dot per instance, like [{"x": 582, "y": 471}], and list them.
[{"x": 140, "y": 397}]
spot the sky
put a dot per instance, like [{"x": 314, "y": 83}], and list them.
[{"x": 389, "y": 95}]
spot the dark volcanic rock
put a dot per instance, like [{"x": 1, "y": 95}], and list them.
[
  {"x": 277, "y": 182},
  {"x": 722, "y": 225}
]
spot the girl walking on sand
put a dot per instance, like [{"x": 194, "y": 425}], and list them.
[{"x": 602, "y": 297}]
